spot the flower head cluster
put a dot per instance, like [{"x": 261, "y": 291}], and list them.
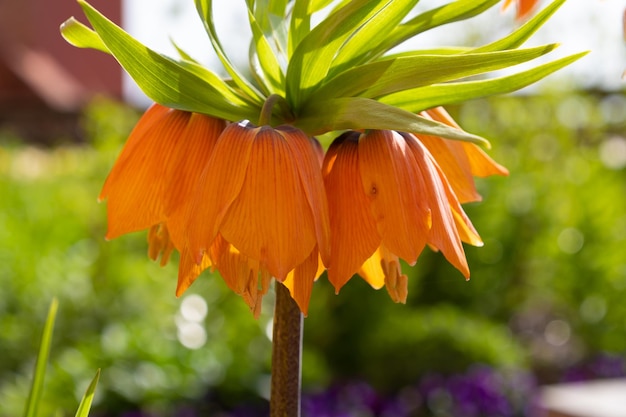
[
  {"x": 258, "y": 202},
  {"x": 229, "y": 173}
]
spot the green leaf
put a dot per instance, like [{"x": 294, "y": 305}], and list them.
[
  {"x": 521, "y": 35},
  {"x": 299, "y": 26},
  {"x": 448, "y": 13},
  {"x": 269, "y": 70},
  {"x": 182, "y": 85},
  {"x": 363, "y": 113},
  {"x": 406, "y": 72},
  {"x": 85, "y": 402},
  {"x": 205, "y": 10},
  {"x": 418, "y": 99},
  {"x": 79, "y": 35},
  {"x": 36, "y": 389},
  {"x": 368, "y": 35},
  {"x": 311, "y": 60}
]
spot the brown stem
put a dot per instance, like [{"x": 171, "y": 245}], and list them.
[{"x": 286, "y": 355}]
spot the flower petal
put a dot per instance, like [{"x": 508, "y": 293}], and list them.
[
  {"x": 219, "y": 185},
  {"x": 300, "y": 280},
  {"x": 444, "y": 234},
  {"x": 305, "y": 152},
  {"x": 392, "y": 183},
  {"x": 354, "y": 233},
  {"x": 134, "y": 189}
]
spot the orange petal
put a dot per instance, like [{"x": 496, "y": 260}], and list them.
[
  {"x": 242, "y": 274},
  {"x": 188, "y": 270},
  {"x": 300, "y": 280},
  {"x": 524, "y": 7},
  {"x": 306, "y": 153},
  {"x": 480, "y": 164},
  {"x": 354, "y": 234},
  {"x": 159, "y": 243},
  {"x": 392, "y": 183},
  {"x": 135, "y": 187},
  {"x": 219, "y": 185},
  {"x": 271, "y": 219},
  {"x": 372, "y": 272},
  {"x": 443, "y": 234}
]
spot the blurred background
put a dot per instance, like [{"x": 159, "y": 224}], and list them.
[{"x": 544, "y": 305}]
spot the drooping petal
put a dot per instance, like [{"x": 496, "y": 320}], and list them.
[
  {"x": 135, "y": 187},
  {"x": 158, "y": 168},
  {"x": 354, "y": 235},
  {"x": 271, "y": 219},
  {"x": 159, "y": 243},
  {"x": 243, "y": 275},
  {"x": 300, "y": 280},
  {"x": 188, "y": 270},
  {"x": 443, "y": 234},
  {"x": 306, "y": 154},
  {"x": 219, "y": 185},
  {"x": 372, "y": 272},
  {"x": 480, "y": 164},
  {"x": 392, "y": 181}
]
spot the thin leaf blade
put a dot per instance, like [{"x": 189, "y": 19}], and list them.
[
  {"x": 362, "y": 113},
  {"x": 181, "y": 85},
  {"x": 36, "y": 389},
  {"x": 87, "y": 400},
  {"x": 80, "y": 36},
  {"x": 406, "y": 72},
  {"x": 423, "y": 98}
]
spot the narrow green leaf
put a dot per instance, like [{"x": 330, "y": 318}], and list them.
[
  {"x": 79, "y": 35},
  {"x": 362, "y": 113},
  {"x": 448, "y": 13},
  {"x": 406, "y": 72},
  {"x": 269, "y": 68},
  {"x": 299, "y": 26},
  {"x": 368, "y": 35},
  {"x": 524, "y": 32},
  {"x": 182, "y": 53},
  {"x": 423, "y": 98},
  {"x": 311, "y": 60},
  {"x": 317, "y": 5},
  {"x": 36, "y": 389},
  {"x": 205, "y": 10},
  {"x": 181, "y": 85},
  {"x": 85, "y": 402}
]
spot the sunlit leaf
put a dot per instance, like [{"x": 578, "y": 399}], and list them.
[
  {"x": 368, "y": 35},
  {"x": 422, "y": 98},
  {"x": 448, "y": 13},
  {"x": 85, "y": 402},
  {"x": 311, "y": 60},
  {"x": 407, "y": 72},
  {"x": 81, "y": 36},
  {"x": 363, "y": 113},
  {"x": 36, "y": 389},
  {"x": 524, "y": 32},
  {"x": 182, "y": 85},
  {"x": 270, "y": 71},
  {"x": 205, "y": 10}
]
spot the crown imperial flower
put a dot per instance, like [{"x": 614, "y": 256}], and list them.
[{"x": 258, "y": 199}]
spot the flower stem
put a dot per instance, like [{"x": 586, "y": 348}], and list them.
[
  {"x": 286, "y": 355},
  {"x": 265, "y": 118}
]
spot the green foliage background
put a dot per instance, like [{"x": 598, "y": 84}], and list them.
[{"x": 554, "y": 259}]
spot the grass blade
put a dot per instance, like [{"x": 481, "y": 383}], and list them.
[
  {"x": 85, "y": 402},
  {"x": 36, "y": 389}
]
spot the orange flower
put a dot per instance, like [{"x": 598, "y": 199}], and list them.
[
  {"x": 156, "y": 173},
  {"x": 389, "y": 197},
  {"x": 260, "y": 211},
  {"x": 524, "y": 7}
]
